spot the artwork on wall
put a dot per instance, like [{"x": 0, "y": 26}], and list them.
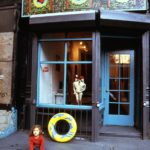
[
  {"x": 6, "y": 63},
  {"x": 33, "y": 7}
]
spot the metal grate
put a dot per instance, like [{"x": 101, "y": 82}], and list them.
[{"x": 82, "y": 117}]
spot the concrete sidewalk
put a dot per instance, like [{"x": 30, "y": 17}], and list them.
[{"x": 19, "y": 141}]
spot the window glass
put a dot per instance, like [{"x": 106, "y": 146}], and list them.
[
  {"x": 52, "y": 51},
  {"x": 124, "y": 96},
  {"x": 124, "y": 84},
  {"x": 114, "y": 71},
  {"x": 124, "y": 71},
  {"x": 124, "y": 109},
  {"x": 79, "y": 81},
  {"x": 64, "y": 71},
  {"x": 113, "y": 59},
  {"x": 51, "y": 83},
  {"x": 114, "y": 84},
  {"x": 113, "y": 108},
  {"x": 113, "y": 96},
  {"x": 79, "y": 51}
]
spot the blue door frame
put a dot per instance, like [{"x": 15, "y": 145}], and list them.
[{"x": 119, "y": 109}]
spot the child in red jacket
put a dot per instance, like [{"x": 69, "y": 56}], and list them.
[{"x": 36, "y": 138}]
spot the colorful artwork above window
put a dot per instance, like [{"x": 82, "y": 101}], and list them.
[{"x": 32, "y": 7}]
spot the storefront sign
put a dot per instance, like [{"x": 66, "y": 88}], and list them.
[{"x": 32, "y": 7}]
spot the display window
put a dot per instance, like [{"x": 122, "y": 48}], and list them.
[{"x": 64, "y": 72}]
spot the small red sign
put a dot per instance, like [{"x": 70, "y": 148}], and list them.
[{"x": 45, "y": 69}]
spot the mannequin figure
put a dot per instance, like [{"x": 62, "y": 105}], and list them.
[{"x": 78, "y": 87}]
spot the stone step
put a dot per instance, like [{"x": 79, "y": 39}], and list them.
[{"x": 119, "y": 131}]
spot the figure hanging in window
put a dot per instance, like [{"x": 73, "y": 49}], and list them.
[{"x": 79, "y": 87}]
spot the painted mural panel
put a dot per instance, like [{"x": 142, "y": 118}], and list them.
[
  {"x": 6, "y": 57},
  {"x": 6, "y": 46},
  {"x": 5, "y": 82},
  {"x": 32, "y": 7}
]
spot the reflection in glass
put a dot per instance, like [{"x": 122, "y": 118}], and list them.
[
  {"x": 113, "y": 108},
  {"x": 124, "y": 84},
  {"x": 52, "y": 51},
  {"x": 113, "y": 83},
  {"x": 124, "y": 109},
  {"x": 119, "y": 59},
  {"x": 124, "y": 59},
  {"x": 113, "y": 96},
  {"x": 79, "y": 81},
  {"x": 124, "y": 97},
  {"x": 51, "y": 84},
  {"x": 113, "y": 59},
  {"x": 79, "y": 51},
  {"x": 114, "y": 71}
]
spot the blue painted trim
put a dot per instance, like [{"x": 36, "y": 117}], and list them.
[
  {"x": 65, "y": 39},
  {"x": 132, "y": 86},
  {"x": 119, "y": 90},
  {"x": 102, "y": 102},
  {"x": 105, "y": 81},
  {"x": 119, "y": 119},
  {"x": 117, "y": 78},
  {"x": 38, "y": 74},
  {"x": 51, "y": 62},
  {"x": 102, "y": 106},
  {"x": 83, "y": 107},
  {"x": 12, "y": 126},
  {"x": 65, "y": 72},
  {"x": 62, "y": 62},
  {"x": 65, "y": 62},
  {"x": 119, "y": 102},
  {"x": 79, "y": 62}
]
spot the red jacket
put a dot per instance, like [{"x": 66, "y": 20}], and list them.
[{"x": 36, "y": 142}]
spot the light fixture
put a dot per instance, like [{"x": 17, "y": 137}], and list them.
[
  {"x": 84, "y": 47},
  {"x": 81, "y": 43}
]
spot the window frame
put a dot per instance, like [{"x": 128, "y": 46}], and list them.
[{"x": 65, "y": 62}]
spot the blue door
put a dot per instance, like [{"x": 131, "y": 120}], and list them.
[{"x": 118, "y": 88}]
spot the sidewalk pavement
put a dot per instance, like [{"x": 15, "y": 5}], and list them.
[{"x": 19, "y": 141}]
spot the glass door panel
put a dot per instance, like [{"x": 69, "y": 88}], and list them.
[{"x": 119, "y": 81}]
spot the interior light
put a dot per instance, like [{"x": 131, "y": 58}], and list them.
[{"x": 81, "y": 43}]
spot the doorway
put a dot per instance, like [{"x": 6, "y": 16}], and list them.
[{"x": 118, "y": 89}]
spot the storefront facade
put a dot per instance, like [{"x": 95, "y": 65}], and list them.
[{"x": 92, "y": 64}]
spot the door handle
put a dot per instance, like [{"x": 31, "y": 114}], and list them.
[{"x": 111, "y": 95}]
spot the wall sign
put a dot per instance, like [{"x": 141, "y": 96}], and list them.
[
  {"x": 40, "y": 3},
  {"x": 32, "y": 7},
  {"x": 45, "y": 69},
  {"x": 78, "y": 2}
]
